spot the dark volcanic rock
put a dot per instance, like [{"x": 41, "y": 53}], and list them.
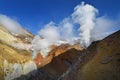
[{"x": 106, "y": 60}]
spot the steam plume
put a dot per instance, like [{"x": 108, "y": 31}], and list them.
[
  {"x": 50, "y": 32},
  {"x": 85, "y": 15},
  {"x": 40, "y": 44},
  {"x": 66, "y": 28},
  {"x": 91, "y": 28}
]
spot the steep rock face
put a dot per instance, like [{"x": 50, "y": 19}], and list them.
[
  {"x": 60, "y": 63},
  {"x": 101, "y": 61},
  {"x": 15, "y": 58}
]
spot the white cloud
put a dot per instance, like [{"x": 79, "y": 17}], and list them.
[
  {"x": 84, "y": 15},
  {"x": 39, "y": 44},
  {"x": 50, "y": 32},
  {"x": 10, "y": 24},
  {"x": 67, "y": 29},
  {"x": 103, "y": 24},
  {"x": 103, "y": 27},
  {"x": 91, "y": 28}
]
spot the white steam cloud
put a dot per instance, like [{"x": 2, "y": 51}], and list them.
[
  {"x": 85, "y": 15},
  {"x": 10, "y": 24},
  {"x": 50, "y": 32},
  {"x": 91, "y": 28},
  {"x": 40, "y": 44},
  {"x": 66, "y": 29},
  {"x": 103, "y": 28}
]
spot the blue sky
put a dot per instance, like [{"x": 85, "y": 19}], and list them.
[{"x": 33, "y": 14}]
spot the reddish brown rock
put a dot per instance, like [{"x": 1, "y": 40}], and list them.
[{"x": 62, "y": 58}]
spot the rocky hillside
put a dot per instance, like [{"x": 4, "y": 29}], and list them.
[
  {"x": 100, "y": 61},
  {"x": 16, "y": 61}
]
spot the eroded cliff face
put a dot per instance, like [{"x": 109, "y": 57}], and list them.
[
  {"x": 13, "y": 64},
  {"x": 100, "y": 61}
]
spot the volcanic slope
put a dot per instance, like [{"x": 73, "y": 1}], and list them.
[{"x": 100, "y": 61}]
